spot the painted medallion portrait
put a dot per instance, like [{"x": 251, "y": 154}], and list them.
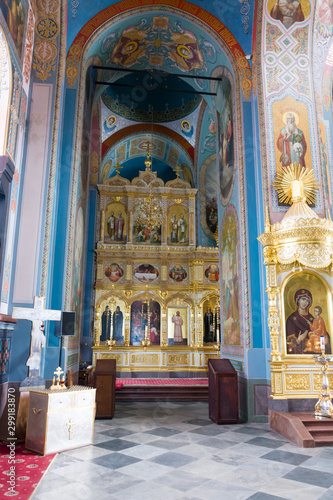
[
  {"x": 178, "y": 273},
  {"x": 306, "y": 315},
  {"x": 212, "y": 273},
  {"x": 114, "y": 272},
  {"x": 146, "y": 273}
]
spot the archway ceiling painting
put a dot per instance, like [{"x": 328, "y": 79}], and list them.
[
  {"x": 111, "y": 123},
  {"x": 141, "y": 97},
  {"x": 160, "y": 41},
  {"x": 237, "y": 16},
  {"x": 131, "y": 151}
]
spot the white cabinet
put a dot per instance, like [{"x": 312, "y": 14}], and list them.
[{"x": 60, "y": 420}]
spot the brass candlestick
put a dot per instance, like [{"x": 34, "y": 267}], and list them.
[
  {"x": 146, "y": 341},
  {"x": 324, "y": 407}
]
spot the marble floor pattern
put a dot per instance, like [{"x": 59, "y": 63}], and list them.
[{"x": 172, "y": 451}]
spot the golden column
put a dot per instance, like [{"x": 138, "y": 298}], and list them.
[
  {"x": 101, "y": 232},
  {"x": 97, "y": 325}
]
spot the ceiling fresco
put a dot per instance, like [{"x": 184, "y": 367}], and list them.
[
  {"x": 132, "y": 151},
  {"x": 160, "y": 41},
  {"x": 112, "y": 122},
  {"x": 163, "y": 42},
  {"x": 144, "y": 98},
  {"x": 237, "y": 15}
]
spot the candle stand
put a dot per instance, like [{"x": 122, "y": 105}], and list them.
[{"x": 324, "y": 407}]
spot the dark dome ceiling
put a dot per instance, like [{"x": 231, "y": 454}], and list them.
[{"x": 157, "y": 98}]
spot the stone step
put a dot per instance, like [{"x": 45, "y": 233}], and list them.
[
  {"x": 323, "y": 441},
  {"x": 303, "y": 429},
  {"x": 313, "y": 429}
]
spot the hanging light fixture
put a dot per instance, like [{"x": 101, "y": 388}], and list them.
[{"x": 150, "y": 213}]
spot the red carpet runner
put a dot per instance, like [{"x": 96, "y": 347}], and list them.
[
  {"x": 161, "y": 381},
  {"x": 20, "y": 471}
]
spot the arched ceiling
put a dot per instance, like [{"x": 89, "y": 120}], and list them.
[
  {"x": 131, "y": 151},
  {"x": 141, "y": 97},
  {"x": 153, "y": 67}
]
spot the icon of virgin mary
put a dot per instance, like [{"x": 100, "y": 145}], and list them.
[{"x": 297, "y": 325}]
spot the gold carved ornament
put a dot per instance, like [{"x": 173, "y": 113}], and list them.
[
  {"x": 178, "y": 359},
  {"x": 298, "y": 382}
]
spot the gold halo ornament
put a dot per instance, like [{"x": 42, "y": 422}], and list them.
[
  {"x": 290, "y": 112},
  {"x": 185, "y": 125},
  {"x": 111, "y": 121},
  {"x": 285, "y": 179},
  {"x": 130, "y": 47},
  {"x": 184, "y": 51}
]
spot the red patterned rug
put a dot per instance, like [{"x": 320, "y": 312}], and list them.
[
  {"x": 161, "y": 381},
  {"x": 20, "y": 471}
]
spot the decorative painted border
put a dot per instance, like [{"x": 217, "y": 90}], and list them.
[
  {"x": 260, "y": 34},
  {"x": 244, "y": 10},
  {"x": 329, "y": 152},
  {"x": 14, "y": 117},
  {"x": 29, "y": 42},
  {"x": 46, "y": 30},
  {"x": 327, "y": 79}
]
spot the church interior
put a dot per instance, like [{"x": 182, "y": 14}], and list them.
[{"x": 166, "y": 171}]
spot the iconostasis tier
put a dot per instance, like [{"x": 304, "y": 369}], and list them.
[{"x": 157, "y": 304}]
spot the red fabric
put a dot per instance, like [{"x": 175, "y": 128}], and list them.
[
  {"x": 21, "y": 471},
  {"x": 162, "y": 381}
]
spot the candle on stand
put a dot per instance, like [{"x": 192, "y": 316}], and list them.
[
  {"x": 218, "y": 335},
  {"x": 146, "y": 331},
  {"x": 322, "y": 343}
]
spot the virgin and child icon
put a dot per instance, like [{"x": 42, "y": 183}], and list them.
[{"x": 303, "y": 330}]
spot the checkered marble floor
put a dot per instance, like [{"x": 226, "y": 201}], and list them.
[{"x": 172, "y": 451}]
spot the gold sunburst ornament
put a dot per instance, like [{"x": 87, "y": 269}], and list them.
[{"x": 296, "y": 183}]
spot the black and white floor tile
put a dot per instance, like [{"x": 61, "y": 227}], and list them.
[{"x": 172, "y": 451}]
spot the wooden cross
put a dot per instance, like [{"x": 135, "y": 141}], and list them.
[
  {"x": 177, "y": 170},
  {"x": 70, "y": 427},
  {"x": 37, "y": 316},
  {"x": 117, "y": 167}
]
